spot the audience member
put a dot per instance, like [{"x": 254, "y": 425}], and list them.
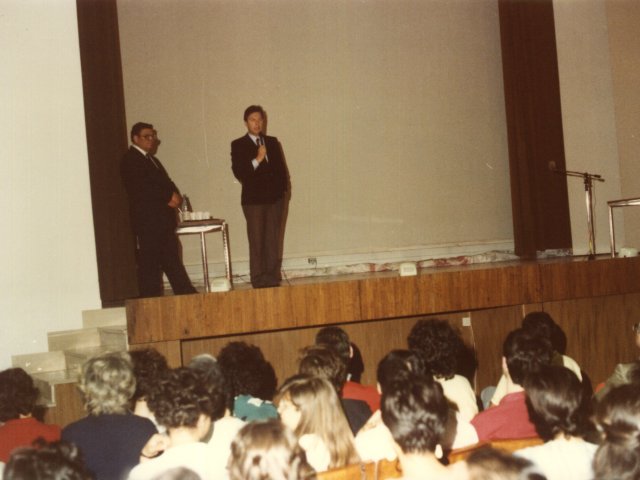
[
  {"x": 252, "y": 381},
  {"x": 268, "y": 450},
  {"x": 149, "y": 366},
  {"x": 18, "y": 427},
  {"x": 624, "y": 372},
  {"x": 338, "y": 340},
  {"x": 111, "y": 438},
  {"x": 415, "y": 411},
  {"x": 559, "y": 410},
  {"x": 618, "y": 419},
  {"x": 47, "y": 461},
  {"x": 309, "y": 405},
  {"x": 491, "y": 464},
  {"x": 541, "y": 323},
  {"x": 225, "y": 428},
  {"x": 186, "y": 406},
  {"x": 523, "y": 354},
  {"x": 322, "y": 361},
  {"x": 440, "y": 346}
]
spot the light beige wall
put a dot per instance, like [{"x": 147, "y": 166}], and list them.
[
  {"x": 623, "y": 21},
  {"x": 391, "y": 114},
  {"x": 47, "y": 250}
]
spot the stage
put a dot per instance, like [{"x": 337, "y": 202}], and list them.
[{"x": 595, "y": 302}]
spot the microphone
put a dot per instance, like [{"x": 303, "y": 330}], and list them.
[
  {"x": 552, "y": 166},
  {"x": 260, "y": 140}
]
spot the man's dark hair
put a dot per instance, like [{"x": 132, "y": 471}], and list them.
[
  {"x": 253, "y": 109},
  {"x": 47, "y": 461},
  {"x": 525, "y": 354},
  {"x": 556, "y": 402},
  {"x": 138, "y": 127},
  {"x": 491, "y": 464},
  {"x": 247, "y": 371},
  {"x": 439, "y": 344},
  {"x": 541, "y": 323},
  {"x": 18, "y": 395},
  {"x": 336, "y": 339},
  {"x": 322, "y": 361},
  {"x": 415, "y": 411},
  {"x": 211, "y": 373},
  {"x": 148, "y": 366},
  {"x": 397, "y": 365}
]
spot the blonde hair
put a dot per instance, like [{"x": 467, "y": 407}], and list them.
[
  {"x": 107, "y": 383},
  {"x": 322, "y": 415},
  {"x": 268, "y": 450}
]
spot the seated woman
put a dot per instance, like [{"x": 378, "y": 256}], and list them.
[
  {"x": 18, "y": 427},
  {"x": 618, "y": 419},
  {"x": 149, "y": 366},
  {"x": 624, "y": 372},
  {"x": 560, "y": 411},
  {"x": 310, "y": 407},
  {"x": 268, "y": 450},
  {"x": 186, "y": 406},
  {"x": 111, "y": 438},
  {"x": 44, "y": 461}
]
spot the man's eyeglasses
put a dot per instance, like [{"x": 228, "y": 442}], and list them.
[{"x": 150, "y": 136}]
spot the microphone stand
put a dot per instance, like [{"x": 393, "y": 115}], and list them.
[{"x": 588, "y": 179}]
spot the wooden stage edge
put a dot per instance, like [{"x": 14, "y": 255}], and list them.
[{"x": 594, "y": 301}]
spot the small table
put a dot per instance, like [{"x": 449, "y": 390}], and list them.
[
  {"x": 625, "y": 202},
  {"x": 203, "y": 227}
]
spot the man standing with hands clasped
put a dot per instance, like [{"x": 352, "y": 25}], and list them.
[
  {"x": 257, "y": 162},
  {"x": 153, "y": 200}
]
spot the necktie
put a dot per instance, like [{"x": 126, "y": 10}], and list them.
[{"x": 153, "y": 161}]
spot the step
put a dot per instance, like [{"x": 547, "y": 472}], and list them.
[
  {"x": 76, "y": 357},
  {"x": 115, "y": 336},
  {"x": 104, "y": 317},
  {"x": 46, "y": 382},
  {"x": 33, "y": 363}
]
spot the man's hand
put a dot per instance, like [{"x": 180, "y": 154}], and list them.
[
  {"x": 176, "y": 200},
  {"x": 157, "y": 443},
  {"x": 262, "y": 153}
]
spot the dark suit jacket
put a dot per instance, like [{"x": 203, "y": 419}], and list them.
[
  {"x": 150, "y": 190},
  {"x": 268, "y": 182}
]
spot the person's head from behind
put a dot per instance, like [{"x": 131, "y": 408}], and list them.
[
  {"x": 310, "y": 405},
  {"x": 107, "y": 383},
  {"x": 46, "y": 461},
  {"x": 415, "y": 411},
  {"x": 246, "y": 370},
  {"x": 322, "y": 361},
  {"x": 148, "y": 366},
  {"x": 336, "y": 339},
  {"x": 268, "y": 450},
  {"x": 18, "y": 394},
  {"x": 556, "y": 403},
  {"x": 524, "y": 354},
  {"x": 211, "y": 373},
  {"x": 398, "y": 365},
  {"x": 541, "y": 323},
  {"x": 618, "y": 419},
  {"x": 491, "y": 464},
  {"x": 181, "y": 400},
  {"x": 439, "y": 344}
]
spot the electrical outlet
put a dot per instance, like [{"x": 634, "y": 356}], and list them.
[
  {"x": 312, "y": 261},
  {"x": 466, "y": 321}
]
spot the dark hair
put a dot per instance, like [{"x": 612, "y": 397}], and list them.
[
  {"x": 181, "y": 396},
  {"x": 525, "y": 354},
  {"x": 246, "y": 371},
  {"x": 336, "y": 339},
  {"x": 541, "y": 323},
  {"x": 618, "y": 418},
  {"x": 397, "y": 365},
  {"x": 138, "y": 127},
  {"x": 490, "y": 464},
  {"x": 355, "y": 369},
  {"x": 253, "y": 109},
  {"x": 322, "y": 361},
  {"x": 439, "y": 344},
  {"x": 18, "y": 395},
  {"x": 415, "y": 411},
  {"x": 556, "y": 402},
  {"x": 46, "y": 461},
  {"x": 211, "y": 373},
  {"x": 148, "y": 366}
]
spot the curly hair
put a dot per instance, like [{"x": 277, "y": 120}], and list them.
[
  {"x": 618, "y": 419},
  {"x": 246, "y": 371},
  {"x": 211, "y": 373},
  {"x": 322, "y": 361},
  {"x": 336, "y": 339},
  {"x": 525, "y": 353},
  {"x": 57, "y": 461},
  {"x": 268, "y": 450},
  {"x": 415, "y": 411},
  {"x": 397, "y": 365},
  {"x": 107, "y": 383},
  {"x": 439, "y": 344},
  {"x": 181, "y": 396},
  {"x": 18, "y": 395},
  {"x": 148, "y": 366},
  {"x": 556, "y": 402}
]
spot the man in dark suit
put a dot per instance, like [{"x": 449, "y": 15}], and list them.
[
  {"x": 258, "y": 163},
  {"x": 153, "y": 199}
]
